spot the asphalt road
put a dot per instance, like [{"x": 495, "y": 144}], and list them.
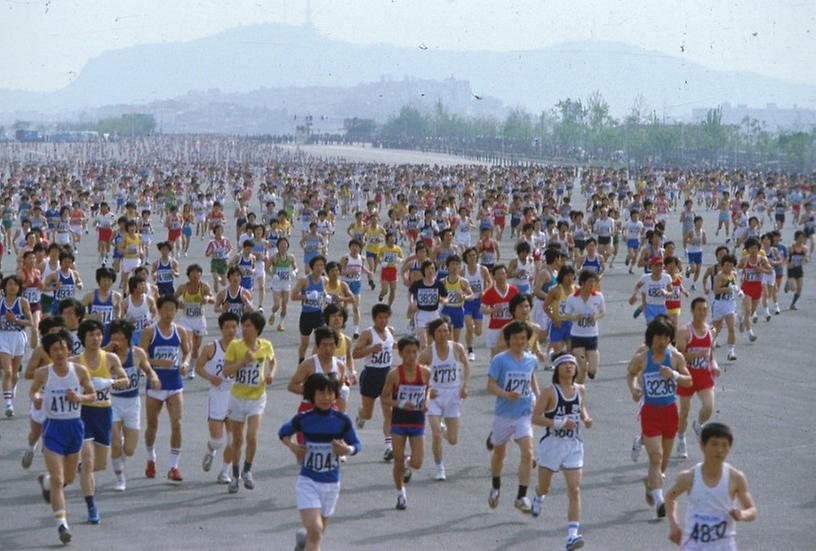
[{"x": 766, "y": 397}]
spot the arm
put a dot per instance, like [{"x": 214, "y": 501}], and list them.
[
  {"x": 544, "y": 402},
  {"x": 205, "y": 356},
  {"x": 295, "y": 385},
  {"x": 633, "y": 372},
  {"x": 120, "y": 376},
  {"x": 462, "y": 357},
  {"x": 681, "y": 486},
  {"x": 748, "y": 512},
  {"x": 363, "y": 347},
  {"x": 386, "y": 397},
  {"x": 140, "y": 358}
]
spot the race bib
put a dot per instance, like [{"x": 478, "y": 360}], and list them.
[
  {"x": 411, "y": 394},
  {"x": 249, "y": 375},
  {"x": 708, "y": 528},
  {"x": 518, "y": 381},
  {"x": 320, "y": 458},
  {"x": 657, "y": 386}
]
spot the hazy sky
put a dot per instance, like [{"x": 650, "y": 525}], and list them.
[{"x": 44, "y": 44}]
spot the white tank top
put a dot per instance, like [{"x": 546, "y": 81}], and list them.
[
  {"x": 55, "y": 402},
  {"x": 475, "y": 281},
  {"x": 381, "y": 359},
  {"x": 320, "y": 368},
  {"x": 445, "y": 373},
  {"x": 139, "y": 314},
  {"x": 47, "y": 271},
  {"x": 353, "y": 270},
  {"x": 215, "y": 367},
  {"x": 525, "y": 273},
  {"x": 708, "y": 522}
]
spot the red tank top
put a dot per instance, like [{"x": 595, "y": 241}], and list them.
[{"x": 699, "y": 344}]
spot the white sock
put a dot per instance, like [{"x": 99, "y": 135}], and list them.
[
  {"x": 175, "y": 455},
  {"x": 658, "y": 496},
  {"x": 118, "y": 465},
  {"x": 151, "y": 454},
  {"x": 225, "y": 467},
  {"x": 572, "y": 529}
]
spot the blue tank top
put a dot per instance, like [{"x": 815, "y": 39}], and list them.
[
  {"x": 166, "y": 348},
  {"x": 313, "y": 296},
  {"x": 164, "y": 278},
  {"x": 134, "y": 376},
  {"x": 594, "y": 265},
  {"x": 657, "y": 390},
  {"x": 15, "y": 309},
  {"x": 312, "y": 245},
  {"x": 67, "y": 288},
  {"x": 102, "y": 307},
  {"x": 247, "y": 270}
]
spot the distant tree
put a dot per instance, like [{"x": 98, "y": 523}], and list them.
[{"x": 410, "y": 123}]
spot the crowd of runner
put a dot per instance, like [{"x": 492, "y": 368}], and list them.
[{"x": 345, "y": 239}]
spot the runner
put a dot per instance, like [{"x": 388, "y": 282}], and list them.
[
  {"x": 59, "y": 389},
  {"x": 406, "y": 392},
  {"x": 375, "y": 347},
  {"x": 713, "y": 487},
  {"x": 511, "y": 378},
  {"x": 695, "y": 341},
  {"x": 283, "y": 267},
  {"x": 310, "y": 291},
  {"x": 478, "y": 277},
  {"x": 653, "y": 376},
  {"x": 388, "y": 258},
  {"x": 352, "y": 267},
  {"x": 495, "y": 301},
  {"x": 125, "y": 401},
  {"x": 450, "y": 379},
  {"x": 15, "y": 317},
  {"x": 167, "y": 346},
  {"x": 194, "y": 295},
  {"x": 251, "y": 361},
  {"x": 657, "y": 286},
  {"x": 210, "y": 367},
  {"x": 65, "y": 282},
  {"x": 165, "y": 270},
  {"x": 103, "y": 303},
  {"x": 427, "y": 295},
  {"x": 138, "y": 307},
  {"x": 323, "y": 361},
  {"x": 457, "y": 292},
  {"x": 724, "y": 306},
  {"x": 218, "y": 249},
  {"x": 105, "y": 371},
  {"x": 584, "y": 309},
  {"x": 797, "y": 256},
  {"x": 753, "y": 266},
  {"x": 328, "y": 435},
  {"x": 561, "y": 409},
  {"x": 555, "y": 306}
]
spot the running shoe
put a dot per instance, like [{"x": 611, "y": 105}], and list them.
[
  {"x": 281, "y": 328},
  {"x": 535, "y": 506},
  {"x": 488, "y": 442},
  {"x": 380, "y": 298},
  {"x": 121, "y": 483},
  {"x": 402, "y": 502},
  {"x": 575, "y": 542},
  {"x": 28, "y": 457},
  {"x": 523, "y": 504},
  {"x": 206, "y": 463},
  {"x": 751, "y": 335},
  {"x": 300, "y": 540},
  {"x": 637, "y": 312},
  {"x": 150, "y": 470},
  {"x": 767, "y": 315},
  {"x": 636, "y": 445},
  {"x": 174, "y": 475},
  {"x": 371, "y": 284},
  {"x": 681, "y": 447},
  {"x": 224, "y": 478},
  {"x": 64, "y": 533},
  {"x": 776, "y": 310},
  {"x": 233, "y": 485},
  {"x": 471, "y": 356},
  {"x": 440, "y": 472},
  {"x": 493, "y": 498},
  {"x": 741, "y": 325},
  {"x": 271, "y": 319},
  {"x": 93, "y": 515},
  {"x": 356, "y": 336},
  {"x": 754, "y": 318},
  {"x": 249, "y": 482},
  {"x": 792, "y": 307},
  {"x": 10, "y": 408},
  {"x": 732, "y": 356},
  {"x": 191, "y": 374},
  {"x": 45, "y": 486},
  {"x": 388, "y": 454},
  {"x": 360, "y": 422},
  {"x": 661, "y": 510}
]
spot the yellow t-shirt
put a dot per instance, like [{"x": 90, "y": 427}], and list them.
[
  {"x": 390, "y": 255},
  {"x": 250, "y": 379},
  {"x": 131, "y": 246},
  {"x": 103, "y": 399},
  {"x": 374, "y": 240}
]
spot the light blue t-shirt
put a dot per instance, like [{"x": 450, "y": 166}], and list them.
[{"x": 514, "y": 375}]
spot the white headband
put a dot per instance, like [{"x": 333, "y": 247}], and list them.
[{"x": 565, "y": 358}]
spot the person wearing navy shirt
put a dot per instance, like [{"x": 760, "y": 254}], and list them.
[
  {"x": 511, "y": 378},
  {"x": 328, "y": 435}
]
